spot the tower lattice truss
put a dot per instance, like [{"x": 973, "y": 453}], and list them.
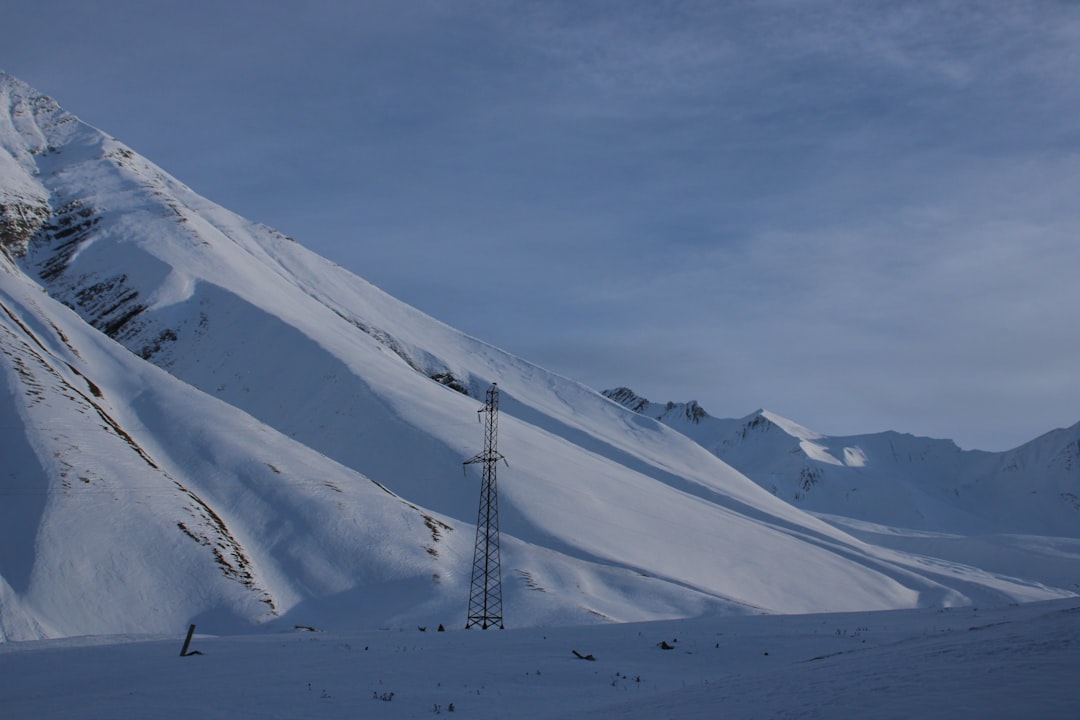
[{"x": 485, "y": 594}]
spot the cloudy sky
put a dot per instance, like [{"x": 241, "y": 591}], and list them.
[{"x": 858, "y": 215}]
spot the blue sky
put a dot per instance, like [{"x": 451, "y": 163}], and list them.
[{"x": 858, "y": 215}]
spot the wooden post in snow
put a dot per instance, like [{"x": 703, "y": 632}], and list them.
[{"x": 187, "y": 640}]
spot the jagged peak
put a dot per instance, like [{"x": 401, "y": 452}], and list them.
[
  {"x": 694, "y": 411},
  {"x": 632, "y": 401},
  {"x": 31, "y": 122},
  {"x": 765, "y": 421},
  {"x": 9, "y": 80},
  {"x": 790, "y": 426},
  {"x": 626, "y": 397},
  {"x": 19, "y": 90},
  {"x": 758, "y": 420}
]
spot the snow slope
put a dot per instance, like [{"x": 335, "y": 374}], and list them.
[
  {"x": 205, "y": 421},
  {"x": 1013, "y": 662}
]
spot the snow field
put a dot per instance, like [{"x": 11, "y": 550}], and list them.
[{"x": 1011, "y": 662}]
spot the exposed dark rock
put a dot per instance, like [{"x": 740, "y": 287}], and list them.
[
  {"x": 20, "y": 221},
  {"x": 448, "y": 379}
]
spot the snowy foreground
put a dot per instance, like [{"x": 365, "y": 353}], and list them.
[{"x": 1020, "y": 661}]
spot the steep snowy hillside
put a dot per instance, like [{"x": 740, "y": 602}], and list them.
[
  {"x": 282, "y": 441},
  {"x": 133, "y": 502}
]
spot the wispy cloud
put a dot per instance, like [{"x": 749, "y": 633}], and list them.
[{"x": 861, "y": 215}]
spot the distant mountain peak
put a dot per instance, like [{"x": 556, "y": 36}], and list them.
[
  {"x": 689, "y": 411},
  {"x": 789, "y": 426},
  {"x": 895, "y": 478},
  {"x": 627, "y": 398}
]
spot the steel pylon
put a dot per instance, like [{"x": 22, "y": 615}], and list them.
[{"x": 485, "y": 594}]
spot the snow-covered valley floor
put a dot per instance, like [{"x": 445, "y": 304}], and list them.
[{"x": 1020, "y": 661}]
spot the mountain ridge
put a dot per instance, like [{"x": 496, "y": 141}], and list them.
[{"x": 799, "y": 464}]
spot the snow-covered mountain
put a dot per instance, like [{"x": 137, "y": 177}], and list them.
[
  {"x": 207, "y": 422},
  {"x": 1014, "y": 513},
  {"x": 892, "y": 478}
]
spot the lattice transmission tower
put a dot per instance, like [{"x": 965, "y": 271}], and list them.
[{"x": 485, "y": 594}]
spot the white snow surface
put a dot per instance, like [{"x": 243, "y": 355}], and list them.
[
  {"x": 1006, "y": 663},
  {"x": 205, "y": 422}
]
